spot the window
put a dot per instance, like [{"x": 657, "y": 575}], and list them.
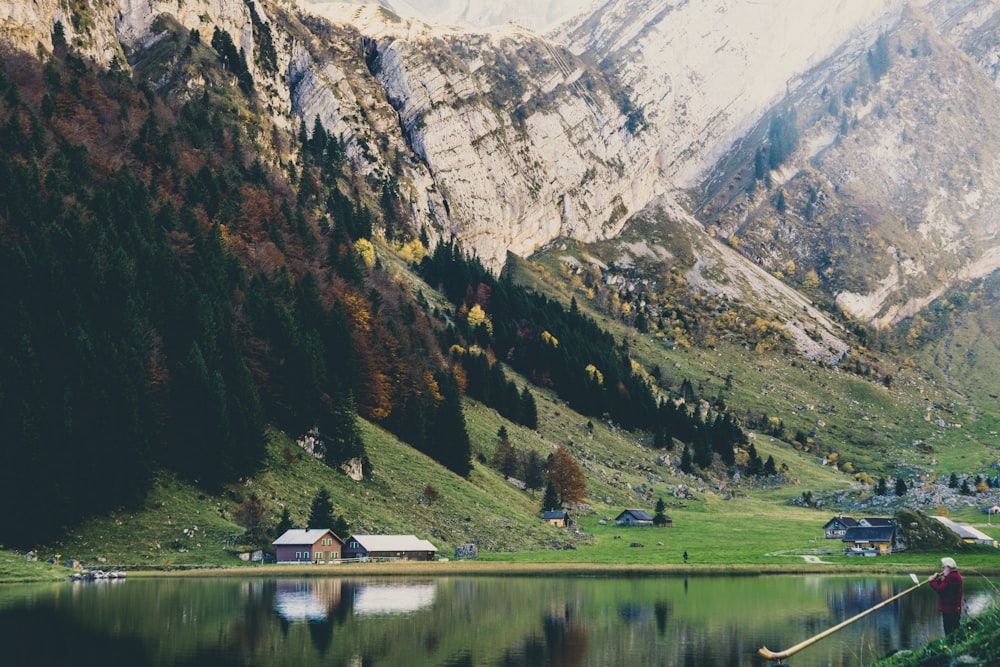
[
  {"x": 305, "y": 555},
  {"x": 298, "y": 555},
  {"x": 334, "y": 555}
]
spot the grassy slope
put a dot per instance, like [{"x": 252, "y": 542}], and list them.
[
  {"x": 876, "y": 428},
  {"x": 180, "y": 525},
  {"x": 752, "y": 529}
]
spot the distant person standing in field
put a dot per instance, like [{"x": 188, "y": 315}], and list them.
[
  {"x": 685, "y": 557},
  {"x": 948, "y": 585}
]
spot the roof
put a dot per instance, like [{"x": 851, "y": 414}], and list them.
[
  {"x": 877, "y": 521},
  {"x": 393, "y": 543},
  {"x": 869, "y": 534},
  {"x": 846, "y": 521},
  {"x": 638, "y": 515},
  {"x": 965, "y": 531},
  {"x": 554, "y": 514},
  {"x": 302, "y": 536}
]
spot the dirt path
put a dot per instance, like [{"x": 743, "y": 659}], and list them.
[{"x": 815, "y": 560}]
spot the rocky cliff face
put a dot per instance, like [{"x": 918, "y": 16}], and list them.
[
  {"x": 890, "y": 198},
  {"x": 527, "y": 139},
  {"x": 507, "y": 139}
]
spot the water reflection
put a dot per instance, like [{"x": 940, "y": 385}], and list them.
[
  {"x": 704, "y": 621},
  {"x": 396, "y": 598},
  {"x": 307, "y": 600},
  {"x": 317, "y": 600}
]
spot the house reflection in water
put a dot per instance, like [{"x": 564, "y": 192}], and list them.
[
  {"x": 309, "y": 600},
  {"x": 319, "y": 600},
  {"x": 371, "y": 599}
]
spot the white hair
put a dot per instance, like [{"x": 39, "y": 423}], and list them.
[{"x": 949, "y": 562}]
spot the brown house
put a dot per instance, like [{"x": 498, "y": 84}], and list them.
[
  {"x": 869, "y": 540},
  {"x": 308, "y": 545},
  {"x": 558, "y": 518}
]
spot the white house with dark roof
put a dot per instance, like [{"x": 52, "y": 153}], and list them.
[
  {"x": 388, "y": 547},
  {"x": 633, "y": 518},
  {"x": 967, "y": 533}
]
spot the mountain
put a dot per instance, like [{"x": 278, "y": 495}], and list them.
[
  {"x": 538, "y": 16},
  {"x": 691, "y": 220}
]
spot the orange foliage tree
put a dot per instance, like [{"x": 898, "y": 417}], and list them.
[{"x": 567, "y": 476}]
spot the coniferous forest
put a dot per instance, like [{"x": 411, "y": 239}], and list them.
[{"x": 172, "y": 288}]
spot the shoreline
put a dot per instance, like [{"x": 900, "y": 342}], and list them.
[{"x": 504, "y": 569}]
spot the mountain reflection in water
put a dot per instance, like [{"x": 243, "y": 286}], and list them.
[{"x": 457, "y": 621}]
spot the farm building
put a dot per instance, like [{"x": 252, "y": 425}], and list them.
[
  {"x": 837, "y": 526},
  {"x": 874, "y": 540},
  {"x": 308, "y": 545},
  {"x": 388, "y": 547},
  {"x": 558, "y": 518},
  {"x": 967, "y": 533},
  {"x": 633, "y": 518}
]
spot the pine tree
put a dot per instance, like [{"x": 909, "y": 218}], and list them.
[
  {"x": 769, "y": 467},
  {"x": 533, "y": 466},
  {"x": 321, "y": 511},
  {"x": 686, "y": 465},
  {"x": 340, "y": 527},
  {"x": 504, "y": 456},
  {"x": 901, "y": 487},
  {"x": 449, "y": 440},
  {"x": 550, "y": 501},
  {"x": 340, "y": 430},
  {"x": 528, "y": 411},
  {"x": 284, "y": 523},
  {"x": 660, "y": 517}
]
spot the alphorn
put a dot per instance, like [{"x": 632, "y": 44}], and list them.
[{"x": 764, "y": 652}]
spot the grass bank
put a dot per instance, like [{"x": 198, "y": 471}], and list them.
[
  {"x": 976, "y": 642},
  {"x": 15, "y": 567}
]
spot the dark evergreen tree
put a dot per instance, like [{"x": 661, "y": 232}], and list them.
[
  {"x": 759, "y": 164},
  {"x": 783, "y": 137},
  {"x": 504, "y": 456},
  {"x": 340, "y": 527},
  {"x": 660, "y": 516},
  {"x": 449, "y": 440},
  {"x": 769, "y": 467},
  {"x": 284, "y": 523},
  {"x": 340, "y": 431},
  {"x": 321, "y": 510},
  {"x": 879, "y": 58},
  {"x": 754, "y": 464},
  {"x": 900, "y": 487},
  {"x": 686, "y": 464},
  {"x": 550, "y": 501},
  {"x": 534, "y": 470},
  {"x": 528, "y": 410}
]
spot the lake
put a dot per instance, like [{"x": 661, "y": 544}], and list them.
[{"x": 458, "y": 621}]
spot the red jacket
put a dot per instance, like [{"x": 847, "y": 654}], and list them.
[{"x": 949, "y": 590}]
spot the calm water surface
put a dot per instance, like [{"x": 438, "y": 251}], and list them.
[{"x": 360, "y": 622}]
